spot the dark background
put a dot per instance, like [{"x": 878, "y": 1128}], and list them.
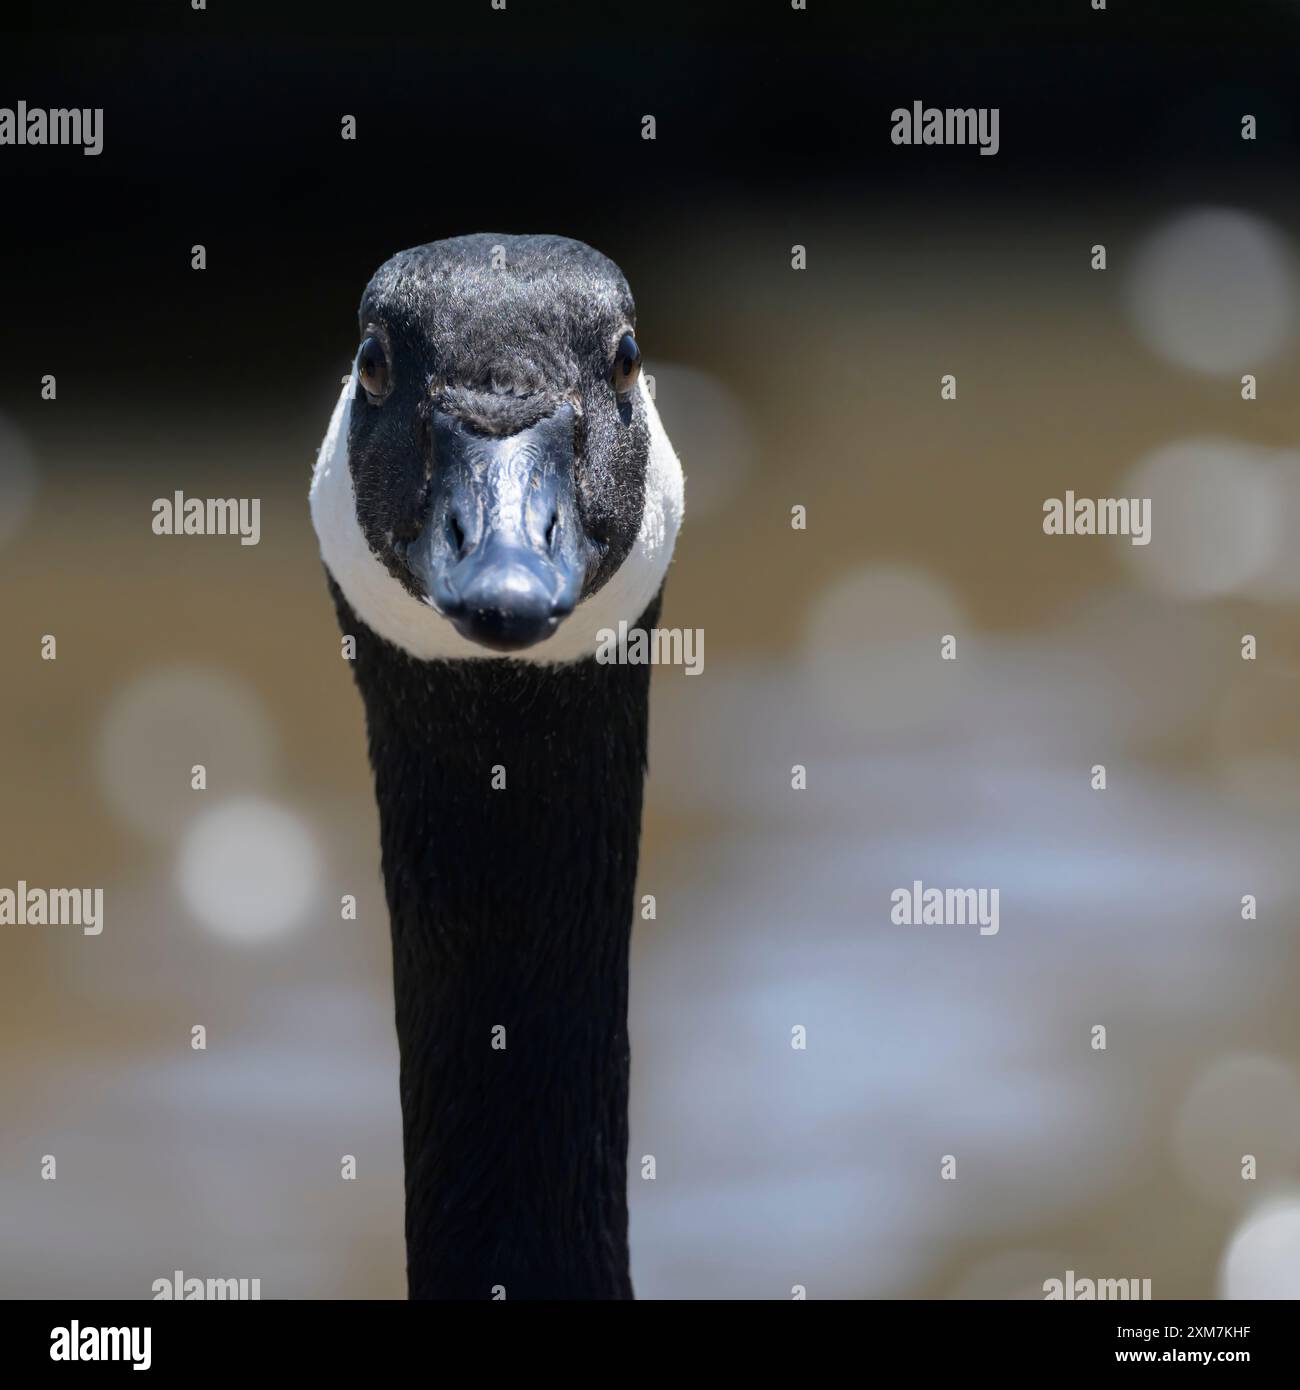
[{"x": 222, "y": 127}]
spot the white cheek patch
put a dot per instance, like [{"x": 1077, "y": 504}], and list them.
[{"x": 407, "y": 622}]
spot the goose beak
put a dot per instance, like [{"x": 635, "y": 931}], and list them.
[{"x": 503, "y": 556}]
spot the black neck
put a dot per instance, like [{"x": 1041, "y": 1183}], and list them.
[{"x": 511, "y": 908}]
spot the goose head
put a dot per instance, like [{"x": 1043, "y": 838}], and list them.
[{"x": 495, "y": 480}]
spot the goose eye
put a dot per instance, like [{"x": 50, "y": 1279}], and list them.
[
  {"x": 372, "y": 367},
  {"x": 627, "y": 365}
]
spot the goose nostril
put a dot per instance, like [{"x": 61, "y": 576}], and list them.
[
  {"x": 551, "y": 529},
  {"x": 456, "y": 533}
]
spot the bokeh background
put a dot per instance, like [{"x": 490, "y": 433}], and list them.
[{"x": 779, "y": 387}]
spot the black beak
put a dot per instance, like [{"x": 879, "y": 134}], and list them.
[{"x": 503, "y": 555}]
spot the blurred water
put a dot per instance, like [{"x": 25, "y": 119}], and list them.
[{"x": 1120, "y": 908}]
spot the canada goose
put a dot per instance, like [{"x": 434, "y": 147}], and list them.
[{"x": 496, "y": 488}]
